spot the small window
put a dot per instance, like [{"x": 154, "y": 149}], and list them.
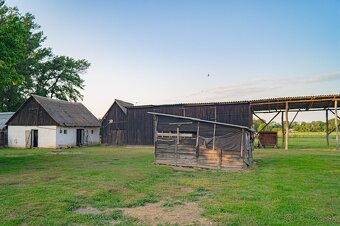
[
  {"x": 65, "y": 131},
  {"x": 92, "y": 131},
  {"x": 61, "y": 131}
]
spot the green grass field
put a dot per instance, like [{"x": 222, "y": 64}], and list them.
[{"x": 295, "y": 187}]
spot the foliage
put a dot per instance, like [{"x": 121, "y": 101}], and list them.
[
  {"x": 26, "y": 67},
  {"x": 314, "y": 126}
]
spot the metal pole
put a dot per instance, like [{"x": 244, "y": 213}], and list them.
[
  {"x": 336, "y": 124},
  {"x": 327, "y": 128},
  {"x": 287, "y": 126}
]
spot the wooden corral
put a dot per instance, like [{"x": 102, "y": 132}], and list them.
[
  {"x": 138, "y": 124},
  {"x": 267, "y": 139},
  {"x": 191, "y": 142}
]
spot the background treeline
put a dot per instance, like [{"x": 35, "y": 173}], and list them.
[
  {"x": 314, "y": 126},
  {"x": 27, "y": 67}
]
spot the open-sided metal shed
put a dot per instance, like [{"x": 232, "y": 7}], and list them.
[{"x": 193, "y": 142}]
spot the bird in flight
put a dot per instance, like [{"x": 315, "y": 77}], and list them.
[{"x": 208, "y": 75}]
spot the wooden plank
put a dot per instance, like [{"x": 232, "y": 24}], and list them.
[
  {"x": 160, "y": 134},
  {"x": 327, "y": 128},
  {"x": 336, "y": 124},
  {"x": 287, "y": 126}
]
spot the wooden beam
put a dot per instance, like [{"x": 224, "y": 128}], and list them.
[
  {"x": 259, "y": 117},
  {"x": 198, "y": 133},
  {"x": 185, "y": 135},
  {"x": 287, "y": 126},
  {"x": 214, "y": 136},
  {"x": 327, "y": 128},
  {"x": 268, "y": 122},
  {"x": 334, "y": 113},
  {"x": 290, "y": 124},
  {"x": 282, "y": 128},
  {"x": 336, "y": 124}
]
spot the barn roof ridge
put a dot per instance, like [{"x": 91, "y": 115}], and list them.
[{"x": 123, "y": 105}]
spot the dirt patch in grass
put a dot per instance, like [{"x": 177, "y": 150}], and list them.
[
  {"x": 87, "y": 211},
  {"x": 17, "y": 156},
  {"x": 157, "y": 213},
  {"x": 65, "y": 152},
  {"x": 102, "y": 163}
]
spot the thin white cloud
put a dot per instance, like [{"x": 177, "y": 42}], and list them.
[{"x": 257, "y": 88}]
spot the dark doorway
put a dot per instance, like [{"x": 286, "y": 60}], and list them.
[
  {"x": 34, "y": 138},
  {"x": 80, "y": 135}
]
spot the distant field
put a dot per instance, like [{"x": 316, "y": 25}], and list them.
[
  {"x": 104, "y": 185},
  {"x": 303, "y": 140}
]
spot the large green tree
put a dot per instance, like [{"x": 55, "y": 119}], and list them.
[{"x": 26, "y": 67}]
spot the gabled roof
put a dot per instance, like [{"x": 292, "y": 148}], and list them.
[
  {"x": 65, "y": 113},
  {"x": 123, "y": 105},
  {"x": 4, "y": 117}
]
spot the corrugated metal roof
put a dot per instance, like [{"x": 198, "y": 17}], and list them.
[
  {"x": 316, "y": 97},
  {"x": 67, "y": 113},
  {"x": 4, "y": 117},
  {"x": 257, "y": 102}
]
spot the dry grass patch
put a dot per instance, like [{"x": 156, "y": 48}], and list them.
[{"x": 157, "y": 213}]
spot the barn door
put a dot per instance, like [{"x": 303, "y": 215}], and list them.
[
  {"x": 80, "y": 136},
  {"x": 28, "y": 139}
]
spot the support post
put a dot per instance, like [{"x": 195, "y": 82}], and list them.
[
  {"x": 287, "y": 126},
  {"x": 327, "y": 128},
  {"x": 282, "y": 129},
  {"x": 214, "y": 136},
  {"x": 197, "y": 143},
  {"x": 336, "y": 123}
]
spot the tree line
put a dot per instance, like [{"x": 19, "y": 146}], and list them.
[
  {"x": 314, "y": 126},
  {"x": 27, "y": 67}
]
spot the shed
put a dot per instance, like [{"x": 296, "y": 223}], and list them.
[
  {"x": 4, "y": 117},
  {"x": 193, "y": 142},
  {"x": 50, "y": 123}
]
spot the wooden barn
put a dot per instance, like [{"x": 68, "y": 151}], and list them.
[
  {"x": 137, "y": 124},
  {"x": 114, "y": 124},
  {"x": 48, "y": 123},
  {"x": 4, "y": 117},
  {"x": 193, "y": 142}
]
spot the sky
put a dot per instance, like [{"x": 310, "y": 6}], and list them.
[{"x": 159, "y": 52}]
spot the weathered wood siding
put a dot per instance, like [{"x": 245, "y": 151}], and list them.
[
  {"x": 183, "y": 142},
  {"x": 140, "y": 124},
  {"x": 31, "y": 114},
  {"x": 115, "y": 133},
  {"x": 3, "y": 138}
]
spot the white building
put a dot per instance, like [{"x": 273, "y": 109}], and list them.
[{"x": 48, "y": 123}]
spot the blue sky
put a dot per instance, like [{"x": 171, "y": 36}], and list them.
[{"x": 162, "y": 51}]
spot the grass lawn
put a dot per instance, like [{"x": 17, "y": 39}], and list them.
[{"x": 295, "y": 187}]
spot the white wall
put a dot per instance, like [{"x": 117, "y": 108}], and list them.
[
  {"x": 94, "y": 138},
  {"x": 66, "y": 140},
  {"x": 70, "y": 139},
  {"x": 50, "y": 136},
  {"x": 46, "y": 136}
]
